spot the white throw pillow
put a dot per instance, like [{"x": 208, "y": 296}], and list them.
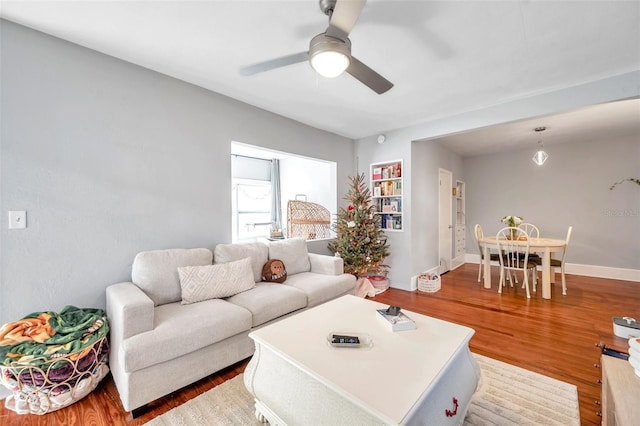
[
  {"x": 293, "y": 253},
  {"x": 200, "y": 283}
]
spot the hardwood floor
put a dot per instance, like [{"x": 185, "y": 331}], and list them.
[{"x": 556, "y": 337}]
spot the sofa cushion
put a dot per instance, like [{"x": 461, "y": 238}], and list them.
[
  {"x": 321, "y": 288},
  {"x": 258, "y": 252},
  {"x": 181, "y": 329},
  {"x": 293, "y": 253},
  {"x": 268, "y": 301},
  {"x": 206, "y": 282},
  {"x": 156, "y": 271}
]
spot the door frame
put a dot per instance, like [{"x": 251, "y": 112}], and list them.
[{"x": 445, "y": 217}]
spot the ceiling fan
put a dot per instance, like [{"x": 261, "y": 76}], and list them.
[{"x": 330, "y": 52}]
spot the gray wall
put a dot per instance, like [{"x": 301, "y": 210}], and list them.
[
  {"x": 428, "y": 157},
  {"x": 370, "y": 151},
  {"x": 109, "y": 159},
  {"x": 571, "y": 188}
]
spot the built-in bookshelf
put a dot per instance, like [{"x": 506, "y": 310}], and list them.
[{"x": 386, "y": 192}]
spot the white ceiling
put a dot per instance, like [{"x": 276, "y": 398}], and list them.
[
  {"x": 595, "y": 123},
  {"x": 444, "y": 57}
]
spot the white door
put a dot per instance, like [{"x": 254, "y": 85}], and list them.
[{"x": 445, "y": 239}]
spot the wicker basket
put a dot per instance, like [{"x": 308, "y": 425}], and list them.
[
  {"x": 380, "y": 283},
  {"x": 307, "y": 220},
  {"x": 429, "y": 281},
  {"x": 55, "y": 384}
]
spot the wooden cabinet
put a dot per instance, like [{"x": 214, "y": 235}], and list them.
[
  {"x": 620, "y": 390},
  {"x": 386, "y": 192}
]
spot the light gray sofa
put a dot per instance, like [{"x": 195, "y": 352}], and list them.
[{"x": 160, "y": 344}]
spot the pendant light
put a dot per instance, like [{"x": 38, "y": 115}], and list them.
[{"x": 540, "y": 156}]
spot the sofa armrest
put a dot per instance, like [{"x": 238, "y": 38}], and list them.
[
  {"x": 327, "y": 265},
  {"x": 129, "y": 309}
]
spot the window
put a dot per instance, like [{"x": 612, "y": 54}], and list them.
[
  {"x": 252, "y": 208},
  {"x": 255, "y": 210},
  {"x": 251, "y": 197}
]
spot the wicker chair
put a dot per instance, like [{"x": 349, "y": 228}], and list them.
[{"x": 307, "y": 220}]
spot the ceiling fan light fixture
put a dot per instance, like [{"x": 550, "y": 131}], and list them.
[
  {"x": 329, "y": 56},
  {"x": 329, "y": 52},
  {"x": 329, "y": 64}
]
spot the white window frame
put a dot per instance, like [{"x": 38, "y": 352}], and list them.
[{"x": 236, "y": 184}]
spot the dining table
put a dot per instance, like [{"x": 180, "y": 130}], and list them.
[{"x": 543, "y": 246}]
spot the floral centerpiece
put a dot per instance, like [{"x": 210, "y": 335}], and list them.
[{"x": 512, "y": 221}]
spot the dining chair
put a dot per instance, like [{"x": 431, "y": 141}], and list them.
[
  {"x": 559, "y": 263},
  {"x": 530, "y": 229},
  {"x": 493, "y": 256},
  {"x": 533, "y": 232},
  {"x": 513, "y": 244}
]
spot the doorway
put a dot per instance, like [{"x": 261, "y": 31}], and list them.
[{"x": 445, "y": 227}]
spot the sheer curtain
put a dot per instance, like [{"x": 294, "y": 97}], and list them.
[{"x": 276, "y": 212}]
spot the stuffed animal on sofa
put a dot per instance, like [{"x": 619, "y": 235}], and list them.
[{"x": 274, "y": 271}]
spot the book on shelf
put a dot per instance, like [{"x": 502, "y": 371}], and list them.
[
  {"x": 400, "y": 322},
  {"x": 389, "y": 189},
  {"x": 390, "y": 221},
  {"x": 377, "y": 173},
  {"x": 390, "y": 207}
]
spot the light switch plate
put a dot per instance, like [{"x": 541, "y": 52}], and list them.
[{"x": 17, "y": 219}]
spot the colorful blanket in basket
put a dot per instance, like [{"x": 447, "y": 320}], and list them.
[{"x": 41, "y": 337}]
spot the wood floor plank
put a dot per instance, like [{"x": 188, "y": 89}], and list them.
[{"x": 556, "y": 337}]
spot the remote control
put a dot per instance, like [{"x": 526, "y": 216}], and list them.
[{"x": 346, "y": 340}]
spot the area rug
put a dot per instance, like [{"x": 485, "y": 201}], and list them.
[{"x": 507, "y": 395}]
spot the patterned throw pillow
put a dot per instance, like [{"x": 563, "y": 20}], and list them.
[
  {"x": 200, "y": 283},
  {"x": 274, "y": 271}
]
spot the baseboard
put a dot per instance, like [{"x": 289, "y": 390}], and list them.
[
  {"x": 457, "y": 262},
  {"x": 571, "y": 269},
  {"x": 586, "y": 270},
  {"x": 603, "y": 272},
  {"x": 414, "y": 284}
]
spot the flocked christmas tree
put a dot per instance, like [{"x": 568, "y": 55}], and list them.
[{"x": 360, "y": 241}]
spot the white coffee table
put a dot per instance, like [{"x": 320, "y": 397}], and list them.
[{"x": 418, "y": 376}]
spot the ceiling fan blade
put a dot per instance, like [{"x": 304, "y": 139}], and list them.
[
  {"x": 344, "y": 17},
  {"x": 283, "y": 61},
  {"x": 368, "y": 77}
]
